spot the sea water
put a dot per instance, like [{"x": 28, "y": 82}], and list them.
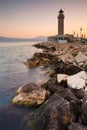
[{"x": 13, "y": 71}]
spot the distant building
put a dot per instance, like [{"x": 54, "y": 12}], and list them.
[{"x": 60, "y": 37}]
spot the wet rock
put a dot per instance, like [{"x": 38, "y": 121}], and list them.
[
  {"x": 56, "y": 115},
  {"x": 28, "y": 95},
  {"x": 77, "y": 126},
  {"x": 32, "y": 63}
]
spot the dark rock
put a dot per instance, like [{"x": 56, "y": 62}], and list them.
[
  {"x": 77, "y": 126},
  {"x": 67, "y": 94},
  {"x": 71, "y": 69},
  {"x": 60, "y": 67},
  {"x": 56, "y": 114},
  {"x": 54, "y": 60},
  {"x": 80, "y": 93},
  {"x": 84, "y": 108},
  {"x": 68, "y": 69},
  {"x": 51, "y": 73},
  {"x": 28, "y": 87},
  {"x": 51, "y": 85}
]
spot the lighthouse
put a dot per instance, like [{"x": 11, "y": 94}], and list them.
[
  {"x": 61, "y": 22},
  {"x": 61, "y": 37}
]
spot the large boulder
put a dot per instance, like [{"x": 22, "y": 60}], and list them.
[
  {"x": 56, "y": 114},
  {"x": 77, "y": 81},
  {"x": 68, "y": 95},
  {"x": 30, "y": 95}
]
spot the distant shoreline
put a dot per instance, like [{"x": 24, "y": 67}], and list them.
[{"x": 8, "y": 39}]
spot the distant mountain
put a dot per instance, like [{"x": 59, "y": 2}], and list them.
[
  {"x": 8, "y": 39},
  {"x": 42, "y": 38}
]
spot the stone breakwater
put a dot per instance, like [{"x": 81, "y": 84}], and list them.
[{"x": 61, "y": 101}]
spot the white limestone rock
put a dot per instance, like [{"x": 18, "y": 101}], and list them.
[
  {"x": 81, "y": 58},
  {"x": 77, "y": 81},
  {"x": 61, "y": 77}
]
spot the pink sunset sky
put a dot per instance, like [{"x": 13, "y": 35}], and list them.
[{"x": 31, "y": 18}]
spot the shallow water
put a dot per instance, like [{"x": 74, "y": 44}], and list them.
[
  {"x": 12, "y": 116},
  {"x": 13, "y": 71}
]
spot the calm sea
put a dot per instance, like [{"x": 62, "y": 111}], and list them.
[{"x": 13, "y": 71}]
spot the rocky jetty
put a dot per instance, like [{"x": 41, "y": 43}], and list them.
[{"x": 62, "y": 100}]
